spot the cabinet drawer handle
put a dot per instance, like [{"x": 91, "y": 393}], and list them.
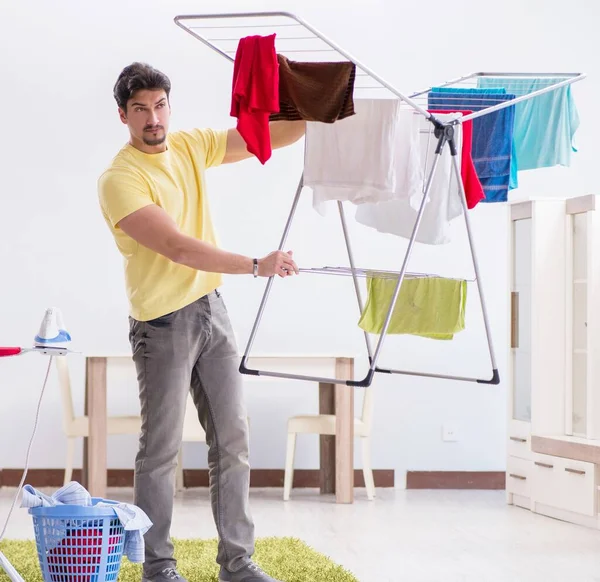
[
  {"x": 546, "y": 465},
  {"x": 517, "y": 476},
  {"x": 576, "y": 471},
  {"x": 514, "y": 319},
  {"x": 518, "y": 439}
]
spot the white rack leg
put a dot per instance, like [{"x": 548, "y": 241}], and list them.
[
  {"x": 495, "y": 379},
  {"x": 263, "y": 302},
  {"x": 484, "y": 311},
  {"x": 354, "y": 277},
  {"x": 409, "y": 249},
  {"x": 9, "y": 569}
]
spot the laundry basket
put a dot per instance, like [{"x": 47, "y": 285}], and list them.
[{"x": 78, "y": 543}]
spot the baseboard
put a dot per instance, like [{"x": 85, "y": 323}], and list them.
[
  {"x": 455, "y": 480},
  {"x": 274, "y": 478},
  {"x": 191, "y": 477}
]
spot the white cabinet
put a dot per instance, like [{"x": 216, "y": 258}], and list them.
[
  {"x": 537, "y": 251},
  {"x": 582, "y": 406},
  {"x": 553, "y": 448},
  {"x": 537, "y": 317}
]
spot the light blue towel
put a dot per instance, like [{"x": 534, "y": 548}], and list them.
[
  {"x": 134, "y": 520},
  {"x": 545, "y": 125}
]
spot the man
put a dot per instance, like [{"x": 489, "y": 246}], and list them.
[{"x": 153, "y": 198}]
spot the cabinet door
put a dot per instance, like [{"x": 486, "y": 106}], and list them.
[
  {"x": 580, "y": 323},
  {"x": 564, "y": 484},
  {"x": 521, "y": 329}
]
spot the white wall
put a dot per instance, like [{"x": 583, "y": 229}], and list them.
[{"x": 59, "y": 129}]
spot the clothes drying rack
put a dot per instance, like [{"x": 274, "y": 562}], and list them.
[{"x": 298, "y": 40}]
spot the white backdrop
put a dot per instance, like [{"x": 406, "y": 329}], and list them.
[{"x": 60, "y": 129}]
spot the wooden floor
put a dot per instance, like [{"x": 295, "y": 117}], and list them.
[{"x": 413, "y": 536}]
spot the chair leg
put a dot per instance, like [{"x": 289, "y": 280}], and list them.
[
  {"x": 70, "y": 459},
  {"x": 367, "y": 470},
  {"x": 179, "y": 485},
  {"x": 289, "y": 465}
]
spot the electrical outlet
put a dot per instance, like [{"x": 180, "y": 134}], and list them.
[{"x": 449, "y": 433}]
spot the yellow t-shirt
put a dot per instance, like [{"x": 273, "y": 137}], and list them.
[{"x": 174, "y": 180}]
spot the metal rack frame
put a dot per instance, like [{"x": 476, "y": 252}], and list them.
[{"x": 195, "y": 25}]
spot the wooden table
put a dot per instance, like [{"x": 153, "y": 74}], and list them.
[{"x": 336, "y": 452}]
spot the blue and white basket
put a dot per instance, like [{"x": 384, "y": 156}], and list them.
[{"x": 78, "y": 543}]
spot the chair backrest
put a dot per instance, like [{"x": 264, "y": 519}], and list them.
[
  {"x": 66, "y": 396},
  {"x": 367, "y": 407}
]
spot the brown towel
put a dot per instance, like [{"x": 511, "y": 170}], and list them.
[{"x": 315, "y": 91}]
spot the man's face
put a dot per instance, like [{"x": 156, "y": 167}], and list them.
[{"x": 147, "y": 117}]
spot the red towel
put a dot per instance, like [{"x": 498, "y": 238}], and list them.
[
  {"x": 473, "y": 189},
  {"x": 255, "y": 92}
]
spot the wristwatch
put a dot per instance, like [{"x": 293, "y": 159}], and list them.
[{"x": 255, "y": 267}]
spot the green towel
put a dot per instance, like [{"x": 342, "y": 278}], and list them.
[{"x": 432, "y": 307}]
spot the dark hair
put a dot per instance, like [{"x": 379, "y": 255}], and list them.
[{"x": 136, "y": 77}]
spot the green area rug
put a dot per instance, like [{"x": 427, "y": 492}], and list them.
[{"x": 287, "y": 559}]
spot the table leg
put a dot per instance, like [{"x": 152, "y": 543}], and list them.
[
  {"x": 86, "y": 410},
  {"x": 344, "y": 438},
  {"x": 96, "y": 477},
  {"x": 327, "y": 442}
]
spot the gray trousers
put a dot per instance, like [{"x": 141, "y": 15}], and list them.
[{"x": 193, "y": 349}]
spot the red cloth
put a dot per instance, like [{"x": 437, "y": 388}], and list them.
[
  {"x": 77, "y": 558},
  {"x": 255, "y": 92},
  {"x": 473, "y": 188}
]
